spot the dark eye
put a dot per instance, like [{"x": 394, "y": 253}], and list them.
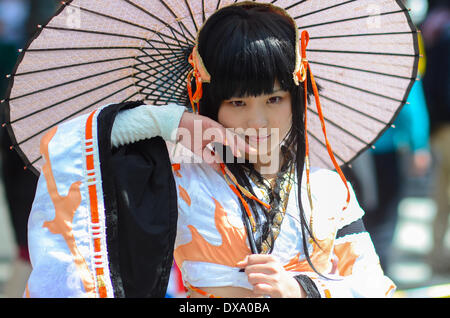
[
  {"x": 275, "y": 100},
  {"x": 237, "y": 103}
]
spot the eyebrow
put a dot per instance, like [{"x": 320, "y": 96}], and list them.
[{"x": 273, "y": 92}]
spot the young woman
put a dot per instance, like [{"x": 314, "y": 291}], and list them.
[{"x": 260, "y": 224}]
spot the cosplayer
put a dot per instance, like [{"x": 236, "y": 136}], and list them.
[{"x": 120, "y": 198}]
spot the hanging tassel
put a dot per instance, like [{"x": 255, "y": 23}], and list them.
[
  {"x": 226, "y": 172},
  {"x": 233, "y": 188},
  {"x": 302, "y": 73},
  {"x": 195, "y": 98}
]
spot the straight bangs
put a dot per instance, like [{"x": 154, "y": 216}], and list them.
[{"x": 248, "y": 54}]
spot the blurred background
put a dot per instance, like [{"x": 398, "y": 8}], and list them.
[{"x": 403, "y": 184}]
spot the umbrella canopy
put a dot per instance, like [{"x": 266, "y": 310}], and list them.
[{"x": 364, "y": 54}]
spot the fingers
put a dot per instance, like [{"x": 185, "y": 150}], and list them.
[
  {"x": 237, "y": 144},
  {"x": 260, "y": 264},
  {"x": 254, "y": 259},
  {"x": 263, "y": 290},
  {"x": 260, "y": 278},
  {"x": 210, "y": 157},
  {"x": 215, "y": 132},
  {"x": 264, "y": 273},
  {"x": 196, "y": 132}
]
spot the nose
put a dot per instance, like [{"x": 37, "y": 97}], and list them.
[{"x": 257, "y": 118}]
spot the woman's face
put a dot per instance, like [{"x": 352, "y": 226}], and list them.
[{"x": 263, "y": 121}]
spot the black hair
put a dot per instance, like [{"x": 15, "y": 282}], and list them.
[{"x": 246, "y": 49}]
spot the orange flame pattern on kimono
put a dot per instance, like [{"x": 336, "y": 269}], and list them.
[
  {"x": 232, "y": 250},
  {"x": 65, "y": 208},
  {"x": 320, "y": 257}
]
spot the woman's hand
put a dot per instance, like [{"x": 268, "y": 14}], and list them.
[
  {"x": 195, "y": 132},
  {"x": 269, "y": 278}
]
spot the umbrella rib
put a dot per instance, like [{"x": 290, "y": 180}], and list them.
[
  {"x": 324, "y": 145},
  {"x": 67, "y": 99},
  {"x": 142, "y": 87},
  {"x": 153, "y": 75},
  {"x": 292, "y": 5},
  {"x": 140, "y": 91},
  {"x": 131, "y": 96},
  {"x": 159, "y": 97},
  {"x": 110, "y": 34},
  {"x": 218, "y": 5},
  {"x": 179, "y": 85},
  {"x": 134, "y": 94},
  {"x": 152, "y": 57},
  {"x": 158, "y": 50},
  {"x": 352, "y": 19},
  {"x": 160, "y": 20},
  {"x": 179, "y": 43},
  {"x": 353, "y": 109},
  {"x": 339, "y": 127},
  {"x": 73, "y": 65},
  {"x": 179, "y": 88},
  {"x": 362, "y": 52},
  {"x": 362, "y": 90},
  {"x": 73, "y": 81},
  {"x": 33, "y": 162},
  {"x": 174, "y": 66},
  {"x": 179, "y": 48},
  {"x": 177, "y": 68},
  {"x": 361, "y": 70},
  {"x": 166, "y": 86},
  {"x": 71, "y": 115},
  {"x": 361, "y": 34},
  {"x": 176, "y": 17},
  {"x": 192, "y": 15},
  {"x": 152, "y": 72},
  {"x": 121, "y": 20},
  {"x": 179, "y": 98},
  {"x": 158, "y": 67},
  {"x": 182, "y": 30},
  {"x": 324, "y": 9},
  {"x": 203, "y": 12},
  {"x": 86, "y": 48},
  {"x": 177, "y": 91},
  {"x": 160, "y": 88},
  {"x": 181, "y": 95},
  {"x": 170, "y": 56}
]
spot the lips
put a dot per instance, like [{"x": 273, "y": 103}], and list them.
[{"x": 258, "y": 138}]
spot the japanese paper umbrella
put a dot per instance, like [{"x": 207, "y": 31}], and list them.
[{"x": 364, "y": 54}]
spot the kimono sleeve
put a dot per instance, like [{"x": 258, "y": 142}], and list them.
[
  {"x": 103, "y": 221},
  {"x": 356, "y": 270}
]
